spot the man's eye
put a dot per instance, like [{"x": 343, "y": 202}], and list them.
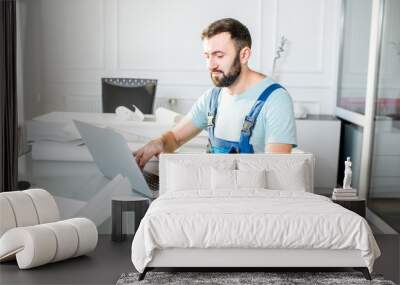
[{"x": 220, "y": 56}]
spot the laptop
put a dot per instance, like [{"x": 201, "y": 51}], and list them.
[{"x": 112, "y": 155}]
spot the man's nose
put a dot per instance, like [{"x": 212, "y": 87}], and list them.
[{"x": 211, "y": 64}]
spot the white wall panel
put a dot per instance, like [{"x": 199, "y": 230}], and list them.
[
  {"x": 306, "y": 41},
  {"x": 165, "y": 35},
  {"x": 73, "y": 33},
  {"x": 84, "y": 40},
  {"x": 82, "y": 103}
]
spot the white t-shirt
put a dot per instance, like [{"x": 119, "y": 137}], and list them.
[{"x": 275, "y": 122}]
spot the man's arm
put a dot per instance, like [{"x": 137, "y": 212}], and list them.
[
  {"x": 168, "y": 142},
  {"x": 280, "y": 123},
  {"x": 278, "y": 148}
]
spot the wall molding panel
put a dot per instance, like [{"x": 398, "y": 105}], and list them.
[
  {"x": 303, "y": 61},
  {"x": 73, "y": 34},
  {"x": 84, "y": 40}
]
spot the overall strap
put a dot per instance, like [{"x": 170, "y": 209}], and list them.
[
  {"x": 250, "y": 119},
  {"x": 212, "y": 113},
  {"x": 224, "y": 146}
]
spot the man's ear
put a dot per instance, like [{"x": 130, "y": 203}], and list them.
[{"x": 244, "y": 55}]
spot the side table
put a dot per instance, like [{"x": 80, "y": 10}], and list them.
[
  {"x": 122, "y": 204},
  {"x": 358, "y": 205}
]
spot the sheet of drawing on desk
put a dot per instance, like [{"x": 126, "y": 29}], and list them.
[
  {"x": 79, "y": 188},
  {"x": 53, "y": 136},
  {"x": 60, "y": 162}
]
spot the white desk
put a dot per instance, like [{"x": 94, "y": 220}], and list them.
[
  {"x": 319, "y": 135},
  {"x": 60, "y": 125},
  {"x": 79, "y": 188}
]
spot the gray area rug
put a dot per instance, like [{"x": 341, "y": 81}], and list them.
[{"x": 228, "y": 278}]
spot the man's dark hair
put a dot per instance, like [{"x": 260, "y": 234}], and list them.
[{"x": 239, "y": 32}]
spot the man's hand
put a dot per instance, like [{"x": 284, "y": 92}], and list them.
[
  {"x": 145, "y": 153},
  {"x": 168, "y": 142}
]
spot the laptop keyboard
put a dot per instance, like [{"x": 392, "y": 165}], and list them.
[{"x": 152, "y": 180}]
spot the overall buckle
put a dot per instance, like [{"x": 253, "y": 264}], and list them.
[
  {"x": 210, "y": 120},
  {"x": 247, "y": 125}
]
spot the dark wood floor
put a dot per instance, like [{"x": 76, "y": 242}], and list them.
[
  {"x": 389, "y": 262},
  {"x": 110, "y": 260},
  {"x": 387, "y": 209},
  {"x": 102, "y": 266}
]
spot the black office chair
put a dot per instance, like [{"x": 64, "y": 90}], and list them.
[{"x": 127, "y": 91}]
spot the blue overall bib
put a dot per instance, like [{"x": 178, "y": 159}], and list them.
[{"x": 217, "y": 145}]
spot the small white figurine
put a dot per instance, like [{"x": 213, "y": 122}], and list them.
[{"x": 347, "y": 174}]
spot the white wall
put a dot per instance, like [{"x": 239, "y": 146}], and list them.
[{"x": 71, "y": 44}]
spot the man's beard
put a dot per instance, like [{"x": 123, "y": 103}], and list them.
[{"x": 230, "y": 78}]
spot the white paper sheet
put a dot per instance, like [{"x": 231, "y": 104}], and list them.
[
  {"x": 61, "y": 151},
  {"x": 167, "y": 116},
  {"x": 68, "y": 207},
  {"x": 98, "y": 208},
  {"x": 52, "y": 131}
]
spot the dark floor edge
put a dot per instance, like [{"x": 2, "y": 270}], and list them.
[{"x": 380, "y": 222}]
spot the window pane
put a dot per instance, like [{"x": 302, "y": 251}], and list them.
[
  {"x": 384, "y": 191},
  {"x": 354, "y": 55}
]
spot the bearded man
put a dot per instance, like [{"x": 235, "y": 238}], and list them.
[{"x": 246, "y": 111}]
